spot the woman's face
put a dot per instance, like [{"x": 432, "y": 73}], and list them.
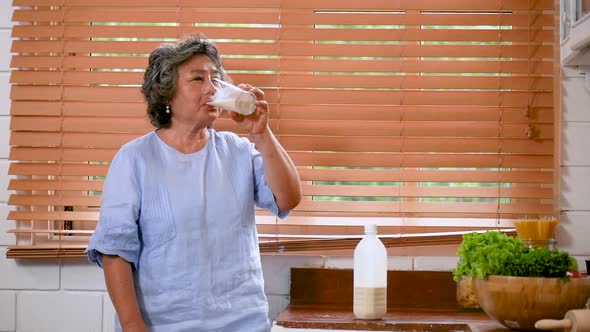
[{"x": 194, "y": 88}]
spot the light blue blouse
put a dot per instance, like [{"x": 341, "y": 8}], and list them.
[{"x": 186, "y": 223}]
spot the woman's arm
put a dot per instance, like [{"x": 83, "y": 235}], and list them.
[
  {"x": 279, "y": 171},
  {"x": 119, "y": 280}
]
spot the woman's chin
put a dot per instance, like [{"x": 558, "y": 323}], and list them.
[{"x": 212, "y": 109}]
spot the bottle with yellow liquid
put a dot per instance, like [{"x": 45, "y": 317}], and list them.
[{"x": 370, "y": 276}]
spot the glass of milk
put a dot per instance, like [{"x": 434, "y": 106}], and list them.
[{"x": 230, "y": 97}]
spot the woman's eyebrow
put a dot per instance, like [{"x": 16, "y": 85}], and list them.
[{"x": 201, "y": 71}]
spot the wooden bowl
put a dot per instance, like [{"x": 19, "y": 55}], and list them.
[{"x": 518, "y": 302}]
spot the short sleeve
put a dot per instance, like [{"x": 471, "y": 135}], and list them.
[
  {"x": 262, "y": 194},
  {"x": 117, "y": 230}
]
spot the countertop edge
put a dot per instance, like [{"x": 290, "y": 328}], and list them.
[{"x": 313, "y": 317}]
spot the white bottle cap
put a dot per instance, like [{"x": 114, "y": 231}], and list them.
[{"x": 371, "y": 228}]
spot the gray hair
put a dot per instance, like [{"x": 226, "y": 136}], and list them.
[{"x": 161, "y": 74}]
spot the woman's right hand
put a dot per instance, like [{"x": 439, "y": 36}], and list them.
[{"x": 257, "y": 122}]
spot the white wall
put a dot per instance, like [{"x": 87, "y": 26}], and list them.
[
  {"x": 575, "y": 161},
  {"x": 69, "y": 295}
]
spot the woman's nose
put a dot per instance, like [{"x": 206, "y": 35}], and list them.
[{"x": 210, "y": 87}]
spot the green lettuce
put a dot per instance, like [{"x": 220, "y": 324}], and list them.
[{"x": 495, "y": 253}]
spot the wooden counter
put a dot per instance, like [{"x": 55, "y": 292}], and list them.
[{"x": 415, "y": 320}]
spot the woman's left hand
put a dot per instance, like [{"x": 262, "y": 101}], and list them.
[{"x": 257, "y": 122}]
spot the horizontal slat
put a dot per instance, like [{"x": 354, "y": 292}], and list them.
[
  {"x": 325, "y": 245},
  {"x": 406, "y": 145},
  {"x": 319, "y": 227},
  {"x": 41, "y": 252},
  {"x": 62, "y": 154},
  {"x": 420, "y": 160},
  {"x": 410, "y": 129},
  {"x": 366, "y": 208},
  {"x": 309, "y": 158},
  {"x": 533, "y": 67},
  {"x": 77, "y": 93},
  {"x": 72, "y": 251},
  {"x": 72, "y": 14},
  {"x": 139, "y": 14},
  {"x": 127, "y": 47},
  {"x": 396, "y": 208},
  {"x": 59, "y": 185},
  {"x": 141, "y": 32},
  {"x": 79, "y": 62},
  {"x": 309, "y": 111},
  {"x": 415, "y": 113},
  {"x": 152, "y": 3},
  {"x": 541, "y": 177},
  {"x": 316, "y": 190},
  {"x": 303, "y": 80},
  {"x": 372, "y": 50},
  {"x": 75, "y": 77},
  {"x": 190, "y": 15},
  {"x": 302, "y": 143},
  {"x": 415, "y": 35},
  {"x": 80, "y": 108},
  {"x": 417, "y": 4},
  {"x": 471, "y": 98},
  {"x": 337, "y": 227},
  {"x": 407, "y": 66},
  {"x": 324, "y": 174},
  {"x": 312, "y": 96},
  {"x": 53, "y": 200},
  {"x": 52, "y": 231},
  {"x": 419, "y": 192},
  {"x": 286, "y": 34},
  {"x": 296, "y": 127},
  {"x": 403, "y": 240},
  {"x": 51, "y": 215},
  {"x": 295, "y": 49},
  {"x": 81, "y": 124},
  {"x": 75, "y": 140},
  {"x": 310, "y": 228},
  {"x": 359, "y": 215},
  {"x": 432, "y": 17},
  {"x": 415, "y": 82},
  {"x": 58, "y": 169}
]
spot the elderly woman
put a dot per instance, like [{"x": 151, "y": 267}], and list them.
[{"x": 177, "y": 236}]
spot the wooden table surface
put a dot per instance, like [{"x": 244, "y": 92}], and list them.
[{"x": 397, "y": 320}]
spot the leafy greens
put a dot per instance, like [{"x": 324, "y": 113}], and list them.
[{"x": 495, "y": 253}]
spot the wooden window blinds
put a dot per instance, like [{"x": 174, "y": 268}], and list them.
[{"x": 417, "y": 115}]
